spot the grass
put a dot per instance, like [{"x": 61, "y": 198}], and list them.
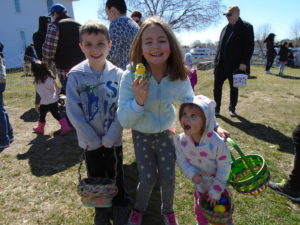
[{"x": 38, "y": 173}]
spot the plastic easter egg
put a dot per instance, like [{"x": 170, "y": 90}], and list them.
[
  {"x": 223, "y": 200},
  {"x": 219, "y": 208},
  {"x": 206, "y": 206}
]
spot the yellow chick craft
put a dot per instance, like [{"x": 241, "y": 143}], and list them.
[{"x": 140, "y": 71}]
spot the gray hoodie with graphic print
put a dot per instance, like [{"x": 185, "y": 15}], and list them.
[{"x": 92, "y": 101}]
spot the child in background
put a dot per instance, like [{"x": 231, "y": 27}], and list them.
[
  {"x": 201, "y": 154},
  {"x": 93, "y": 92},
  {"x": 188, "y": 60},
  {"x": 283, "y": 57},
  {"x": 147, "y": 108},
  {"x": 6, "y": 131},
  {"x": 48, "y": 91}
]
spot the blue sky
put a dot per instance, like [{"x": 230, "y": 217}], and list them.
[{"x": 280, "y": 15}]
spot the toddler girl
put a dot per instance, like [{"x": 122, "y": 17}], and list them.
[
  {"x": 48, "y": 90},
  {"x": 201, "y": 153}
]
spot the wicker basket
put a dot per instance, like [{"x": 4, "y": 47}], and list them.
[
  {"x": 216, "y": 217},
  {"x": 249, "y": 174},
  {"x": 97, "y": 192}
]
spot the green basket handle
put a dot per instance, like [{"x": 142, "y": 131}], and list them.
[{"x": 236, "y": 147}]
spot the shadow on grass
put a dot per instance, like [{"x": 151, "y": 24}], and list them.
[
  {"x": 288, "y": 77},
  {"x": 252, "y": 77},
  {"x": 30, "y": 116},
  {"x": 153, "y": 213},
  {"x": 262, "y": 132},
  {"x": 50, "y": 155}
]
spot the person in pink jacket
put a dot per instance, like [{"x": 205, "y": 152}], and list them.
[
  {"x": 193, "y": 71},
  {"x": 201, "y": 153},
  {"x": 48, "y": 90}
]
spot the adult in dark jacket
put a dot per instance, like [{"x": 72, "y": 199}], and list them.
[
  {"x": 39, "y": 36},
  {"x": 38, "y": 39},
  {"x": 234, "y": 52},
  {"x": 29, "y": 58},
  {"x": 271, "y": 52},
  {"x": 61, "y": 45},
  {"x": 283, "y": 57}
]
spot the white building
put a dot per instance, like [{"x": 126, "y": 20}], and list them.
[{"x": 19, "y": 20}]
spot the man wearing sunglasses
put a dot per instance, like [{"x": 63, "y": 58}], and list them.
[{"x": 233, "y": 55}]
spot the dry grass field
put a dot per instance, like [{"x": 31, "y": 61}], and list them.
[{"x": 38, "y": 173}]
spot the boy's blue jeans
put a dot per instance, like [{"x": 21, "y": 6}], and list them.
[{"x": 6, "y": 131}]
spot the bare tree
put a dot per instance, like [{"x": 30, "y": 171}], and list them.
[
  {"x": 180, "y": 14},
  {"x": 260, "y": 35},
  {"x": 295, "y": 30}
]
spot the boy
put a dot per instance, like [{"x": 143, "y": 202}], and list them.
[{"x": 93, "y": 91}]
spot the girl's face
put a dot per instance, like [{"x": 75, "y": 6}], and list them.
[
  {"x": 192, "y": 122},
  {"x": 95, "y": 48},
  {"x": 155, "y": 46}
]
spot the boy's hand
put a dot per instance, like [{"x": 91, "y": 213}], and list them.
[
  {"x": 212, "y": 202},
  {"x": 197, "y": 178},
  {"x": 140, "y": 90}
]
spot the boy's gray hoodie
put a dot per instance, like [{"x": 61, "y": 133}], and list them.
[{"x": 92, "y": 104}]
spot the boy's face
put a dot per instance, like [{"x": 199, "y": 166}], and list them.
[
  {"x": 192, "y": 122},
  {"x": 95, "y": 47}
]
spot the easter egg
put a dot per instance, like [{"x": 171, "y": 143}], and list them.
[
  {"x": 223, "y": 200},
  {"x": 206, "y": 205},
  {"x": 219, "y": 208}
]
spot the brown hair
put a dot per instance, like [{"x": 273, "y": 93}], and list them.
[
  {"x": 193, "y": 106},
  {"x": 176, "y": 68},
  {"x": 93, "y": 27},
  {"x": 40, "y": 72},
  {"x": 136, "y": 14}
]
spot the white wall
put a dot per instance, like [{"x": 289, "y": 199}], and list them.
[{"x": 26, "y": 20}]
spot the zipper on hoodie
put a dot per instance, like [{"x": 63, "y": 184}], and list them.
[{"x": 159, "y": 97}]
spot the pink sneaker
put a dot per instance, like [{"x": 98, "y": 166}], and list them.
[
  {"x": 135, "y": 218},
  {"x": 170, "y": 219}
]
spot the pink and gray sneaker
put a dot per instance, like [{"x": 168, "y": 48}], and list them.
[
  {"x": 135, "y": 218},
  {"x": 170, "y": 219}
]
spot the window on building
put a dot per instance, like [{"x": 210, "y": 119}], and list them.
[
  {"x": 23, "y": 38},
  {"x": 17, "y": 6},
  {"x": 49, "y": 4}
]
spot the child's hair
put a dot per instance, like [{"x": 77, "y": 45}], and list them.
[
  {"x": 120, "y": 5},
  {"x": 40, "y": 72},
  {"x": 93, "y": 27},
  {"x": 176, "y": 66},
  {"x": 136, "y": 14},
  {"x": 193, "y": 106}
]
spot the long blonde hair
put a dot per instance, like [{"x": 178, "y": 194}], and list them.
[{"x": 176, "y": 67}]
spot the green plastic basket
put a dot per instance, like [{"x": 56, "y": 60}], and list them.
[{"x": 249, "y": 174}]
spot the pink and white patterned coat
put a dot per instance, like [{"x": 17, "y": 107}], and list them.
[{"x": 211, "y": 157}]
